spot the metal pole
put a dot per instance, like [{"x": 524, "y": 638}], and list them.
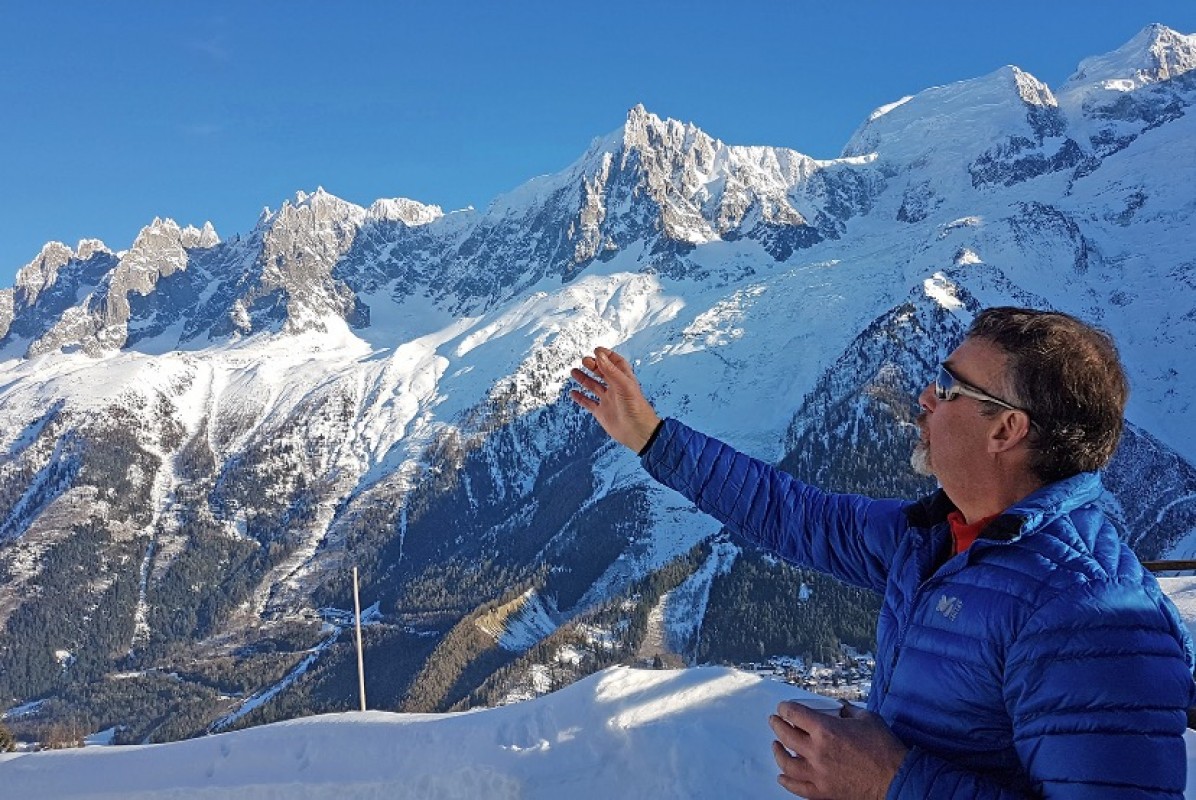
[{"x": 360, "y": 660}]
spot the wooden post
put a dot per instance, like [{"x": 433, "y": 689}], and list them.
[{"x": 360, "y": 660}]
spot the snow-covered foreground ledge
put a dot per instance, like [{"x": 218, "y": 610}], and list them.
[
  {"x": 626, "y": 733},
  {"x": 621, "y": 733}
]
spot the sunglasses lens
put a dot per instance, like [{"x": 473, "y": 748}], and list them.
[{"x": 943, "y": 383}]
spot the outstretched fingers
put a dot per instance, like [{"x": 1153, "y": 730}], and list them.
[
  {"x": 609, "y": 390},
  {"x": 588, "y": 382},
  {"x": 620, "y": 364},
  {"x": 583, "y": 400},
  {"x": 601, "y": 370}
]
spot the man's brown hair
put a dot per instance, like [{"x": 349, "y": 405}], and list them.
[{"x": 1068, "y": 376}]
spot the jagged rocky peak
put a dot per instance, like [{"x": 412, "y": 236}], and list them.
[
  {"x": 42, "y": 272},
  {"x": 319, "y": 221},
  {"x": 325, "y": 207},
  {"x": 1032, "y": 91},
  {"x": 668, "y": 143},
  {"x": 89, "y": 247},
  {"x": 400, "y": 209},
  {"x": 697, "y": 189},
  {"x": 663, "y": 161},
  {"x": 199, "y": 238},
  {"x": 642, "y": 127},
  {"x": 43, "y": 269},
  {"x": 1156, "y": 54},
  {"x": 157, "y": 250},
  {"x": 160, "y": 228},
  {"x": 1173, "y": 53},
  {"x": 317, "y": 215},
  {"x": 301, "y": 245},
  {"x": 704, "y": 187},
  {"x": 263, "y": 220}
]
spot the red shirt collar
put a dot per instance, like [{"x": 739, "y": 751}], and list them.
[{"x": 963, "y": 533}]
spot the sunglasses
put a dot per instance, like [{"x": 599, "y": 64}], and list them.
[{"x": 947, "y": 387}]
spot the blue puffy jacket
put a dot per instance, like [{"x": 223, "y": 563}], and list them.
[{"x": 1044, "y": 661}]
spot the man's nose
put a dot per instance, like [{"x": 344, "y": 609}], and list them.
[{"x": 926, "y": 400}]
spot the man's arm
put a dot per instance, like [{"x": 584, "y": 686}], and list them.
[
  {"x": 849, "y": 536},
  {"x": 1097, "y": 685}
]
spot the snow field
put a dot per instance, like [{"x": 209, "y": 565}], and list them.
[{"x": 626, "y": 733}]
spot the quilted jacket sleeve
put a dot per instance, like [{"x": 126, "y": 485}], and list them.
[
  {"x": 849, "y": 536},
  {"x": 1097, "y": 709}
]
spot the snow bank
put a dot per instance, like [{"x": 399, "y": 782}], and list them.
[
  {"x": 623, "y": 733},
  {"x": 627, "y": 733}
]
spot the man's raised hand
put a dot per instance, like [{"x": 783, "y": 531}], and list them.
[{"x": 613, "y": 395}]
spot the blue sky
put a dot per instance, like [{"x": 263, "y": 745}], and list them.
[{"x": 113, "y": 113}]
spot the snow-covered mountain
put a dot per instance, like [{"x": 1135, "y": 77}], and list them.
[{"x": 202, "y": 437}]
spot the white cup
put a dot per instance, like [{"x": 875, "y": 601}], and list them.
[{"x": 823, "y": 705}]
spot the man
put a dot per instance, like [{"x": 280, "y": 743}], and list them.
[{"x": 1022, "y": 650}]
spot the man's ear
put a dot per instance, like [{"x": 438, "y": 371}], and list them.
[{"x": 1009, "y": 429}]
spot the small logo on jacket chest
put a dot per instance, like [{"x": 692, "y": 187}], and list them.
[{"x": 949, "y": 607}]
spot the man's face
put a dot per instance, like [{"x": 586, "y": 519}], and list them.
[{"x": 954, "y": 432}]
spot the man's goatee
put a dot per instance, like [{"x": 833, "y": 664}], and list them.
[{"x": 919, "y": 459}]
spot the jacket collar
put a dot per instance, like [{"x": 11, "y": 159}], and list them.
[{"x": 1024, "y": 516}]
